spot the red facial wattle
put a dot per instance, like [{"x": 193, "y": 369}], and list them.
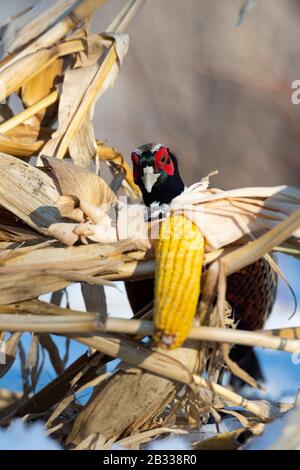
[{"x": 163, "y": 162}]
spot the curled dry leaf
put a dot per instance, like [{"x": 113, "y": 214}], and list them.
[
  {"x": 29, "y": 134},
  {"x": 104, "y": 233},
  {"x": 69, "y": 207},
  {"x": 24, "y": 141},
  {"x": 97, "y": 215},
  {"x": 97, "y": 225},
  {"x": 69, "y": 234},
  {"x": 80, "y": 182},
  {"x": 64, "y": 232},
  {"x": 87, "y": 199},
  {"x": 12, "y": 146}
]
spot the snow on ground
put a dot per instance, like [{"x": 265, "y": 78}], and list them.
[{"x": 21, "y": 436}]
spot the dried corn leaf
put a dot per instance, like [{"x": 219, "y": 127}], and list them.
[
  {"x": 56, "y": 390},
  {"x": 24, "y": 141},
  {"x": 16, "y": 234},
  {"x": 22, "y": 286},
  {"x": 28, "y": 193},
  {"x": 69, "y": 234},
  {"x": 128, "y": 398},
  {"x": 240, "y": 212},
  {"x": 40, "y": 87},
  {"x": 49, "y": 269},
  {"x": 15, "y": 75},
  {"x": 76, "y": 110},
  {"x": 47, "y": 343},
  {"x": 28, "y": 26},
  {"x": 62, "y": 405},
  {"x": 30, "y": 116},
  {"x": 79, "y": 182},
  {"x": 69, "y": 207},
  {"x": 27, "y": 134},
  {"x": 19, "y": 149},
  {"x": 132, "y": 398},
  {"x": 32, "y": 360},
  {"x": 76, "y": 258},
  {"x": 95, "y": 300},
  {"x": 80, "y": 13},
  {"x": 249, "y": 253}
]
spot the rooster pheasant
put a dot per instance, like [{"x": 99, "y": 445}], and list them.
[{"x": 250, "y": 292}]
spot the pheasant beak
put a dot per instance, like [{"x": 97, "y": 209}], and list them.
[{"x": 149, "y": 178}]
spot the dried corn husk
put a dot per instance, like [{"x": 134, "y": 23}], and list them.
[
  {"x": 240, "y": 212},
  {"x": 28, "y": 193}
]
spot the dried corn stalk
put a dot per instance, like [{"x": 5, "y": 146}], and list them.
[{"x": 75, "y": 130}]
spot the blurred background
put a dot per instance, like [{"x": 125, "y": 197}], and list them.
[
  {"x": 217, "y": 94},
  {"x": 220, "y": 97}
]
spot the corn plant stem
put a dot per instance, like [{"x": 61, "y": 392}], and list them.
[
  {"x": 29, "y": 112},
  {"x": 145, "y": 269},
  {"x": 287, "y": 251},
  {"x": 135, "y": 354},
  {"x": 121, "y": 22},
  {"x": 160, "y": 364},
  {"x": 254, "y": 407},
  {"x": 77, "y": 322}
]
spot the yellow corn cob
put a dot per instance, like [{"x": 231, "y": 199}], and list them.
[{"x": 179, "y": 257}]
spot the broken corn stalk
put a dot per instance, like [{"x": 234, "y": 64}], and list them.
[{"x": 179, "y": 257}]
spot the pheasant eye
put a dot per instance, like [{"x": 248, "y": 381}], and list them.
[{"x": 163, "y": 159}]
